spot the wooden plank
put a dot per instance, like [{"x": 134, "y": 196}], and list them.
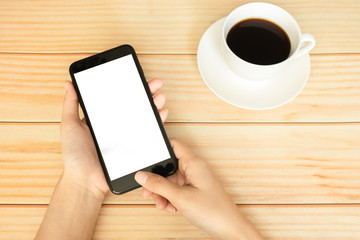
[
  {"x": 257, "y": 163},
  {"x": 31, "y": 89},
  {"x": 140, "y": 222},
  {"x": 156, "y": 26}
]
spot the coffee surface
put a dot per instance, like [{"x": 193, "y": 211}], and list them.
[{"x": 259, "y": 41}]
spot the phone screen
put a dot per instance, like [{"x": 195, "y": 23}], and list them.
[{"x": 121, "y": 116}]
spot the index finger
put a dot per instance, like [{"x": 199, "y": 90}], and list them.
[{"x": 155, "y": 85}]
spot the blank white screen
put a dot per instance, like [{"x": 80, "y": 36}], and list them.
[{"x": 120, "y": 113}]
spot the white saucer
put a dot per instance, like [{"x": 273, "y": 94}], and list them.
[{"x": 256, "y": 95}]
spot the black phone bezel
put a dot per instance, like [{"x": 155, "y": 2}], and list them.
[{"x": 126, "y": 183}]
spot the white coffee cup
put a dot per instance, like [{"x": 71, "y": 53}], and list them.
[{"x": 300, "y": 43}]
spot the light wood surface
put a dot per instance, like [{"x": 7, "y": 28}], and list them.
[
  {"x": 257, "y": 164},
  {"x": 274, "y": 222},
  {"x": 157, "y": 26},
  {"x": 302, "y": 160},
  {"x": 32, "y": 90}
]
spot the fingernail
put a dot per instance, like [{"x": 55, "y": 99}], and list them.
[
  {"x": 170, "y": 208},
  {"x": 66, "y": 85},
  {"x": 141, "y": 177}
]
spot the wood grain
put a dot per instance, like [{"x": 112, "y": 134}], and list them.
[
  {"x": 294, "y": 163},
  {"x": 156, "y": 26},
  {"x": 32, "y": 89},
  {"x": 306, "y": 152},
  {"x": 145, "y": 222}
]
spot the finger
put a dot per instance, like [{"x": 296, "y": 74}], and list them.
[
  {"x": 193, "y": 168},
  {"x": 189, "y": 162},
  {"x": 177, "y": 178},
  {"x": 158, "y": 184},
  {"x": 182, "y": 151},
  {"x": 160, "y": 100},
  {"x": 163, "y": 115},
  {"x": 170, "y": 208},
  {"x": 71, "y": 105},
  {"x": 173, "y": 178},
  {"x": 160, "y": 202},
  {"x": 155, "y": 85},
  {"x": 146, "y": 193}
]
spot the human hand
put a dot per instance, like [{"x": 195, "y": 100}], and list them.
[
  {"x": 81, "y": 163},
  {"x": 197, "y": 194}
]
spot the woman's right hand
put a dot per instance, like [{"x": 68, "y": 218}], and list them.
[{"x": 197, "y": 194}]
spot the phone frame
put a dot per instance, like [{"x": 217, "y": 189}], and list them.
[{"x": 164, "y": 168}]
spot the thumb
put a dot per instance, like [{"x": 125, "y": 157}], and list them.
[
  {"x": 71, "y": 104},
  {"x": 158, "y": 184}
]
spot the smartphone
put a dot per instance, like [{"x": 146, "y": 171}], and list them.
[{"x": 123, "y": 120}]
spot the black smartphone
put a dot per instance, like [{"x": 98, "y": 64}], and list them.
[{"x": 124, "y": 122}]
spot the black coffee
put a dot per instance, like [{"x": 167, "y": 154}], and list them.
[{"x": 259, "y": 41}]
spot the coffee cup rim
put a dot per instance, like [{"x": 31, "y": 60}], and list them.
[{"x": 294, "y": 22}]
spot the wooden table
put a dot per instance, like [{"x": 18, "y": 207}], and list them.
[{"x": 294, "y": 170}]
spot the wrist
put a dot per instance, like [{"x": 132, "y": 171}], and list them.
[
  {"x": 239, "y": 227},
  {"x": 230, "y": 228},
  {"x": 72, "y": 212},
  {"x": 82, "y": 185},
  {"x": 231, "y": 223}
]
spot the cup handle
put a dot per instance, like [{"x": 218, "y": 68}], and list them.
[{"x": 307, "y": 43}]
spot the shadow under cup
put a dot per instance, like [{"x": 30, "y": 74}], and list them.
[{"x": 300, "y": 44}]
